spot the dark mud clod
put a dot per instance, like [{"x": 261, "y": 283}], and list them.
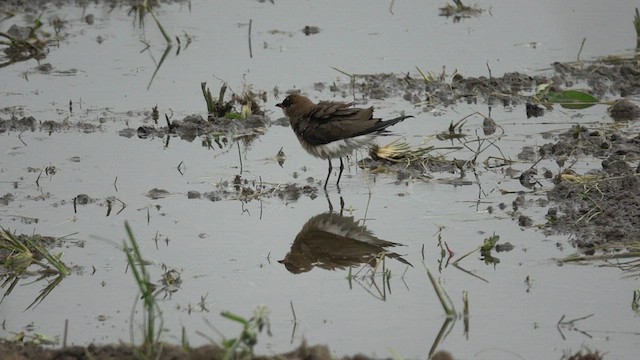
[
  {"x": 624, "y": 109},
  {"x": 534, "y": 110}
]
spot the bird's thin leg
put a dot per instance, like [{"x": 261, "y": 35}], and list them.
[
  {"x": 340, "y": 173},
  {"x": 326, "y": 181}
]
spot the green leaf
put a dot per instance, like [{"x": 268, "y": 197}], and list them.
[
  {"x": 233, "y": 115},
  {"x": 489, "y": 243},
  {"x": 572, "y": 99}
]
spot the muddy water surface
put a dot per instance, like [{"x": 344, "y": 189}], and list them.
[{"x": 226, "y": 242}]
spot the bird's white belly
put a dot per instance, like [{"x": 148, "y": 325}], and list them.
[{"x": 338, "y": 148}]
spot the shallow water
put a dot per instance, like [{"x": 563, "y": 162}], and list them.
[{"x": 227, "y": 251}]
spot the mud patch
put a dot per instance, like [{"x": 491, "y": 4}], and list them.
[
  {"x": 23, "y": 351},
  {"x": 599, "y": 143},
  {"x": 600, "y": 207},
  {"x": 608, "y": 77}
]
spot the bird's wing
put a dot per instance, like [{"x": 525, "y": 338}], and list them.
[
  {"x": 329, "y": 110},
  {"x": 331, "y": 121}
]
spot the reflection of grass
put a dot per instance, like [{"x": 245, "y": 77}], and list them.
[
  {"x": 147, "y": 7},
  {"x": 376, "y": 268},
  {"x": 445, "y": 300},
  {"x": 141, "y": 9}
]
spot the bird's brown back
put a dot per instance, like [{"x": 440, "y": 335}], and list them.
[{"x": 331, "y": 120}]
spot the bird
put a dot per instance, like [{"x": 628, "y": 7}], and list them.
[
  {"x": 333, "y": 129},
  {"x": 332, "y": 241}
]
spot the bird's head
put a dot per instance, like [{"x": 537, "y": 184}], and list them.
[{"x": 296, "y": 106}]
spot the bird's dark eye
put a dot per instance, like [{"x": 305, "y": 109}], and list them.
[{"x": 287, "y": 102}]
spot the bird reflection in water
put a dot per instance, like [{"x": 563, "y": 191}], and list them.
[{"x": 331, "y": 241}]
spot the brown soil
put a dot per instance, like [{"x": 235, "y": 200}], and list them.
[
  {"x": 28, "y": 351},
  {"x": 20, "y": 351},
  {"x": 603, "y": 205}
]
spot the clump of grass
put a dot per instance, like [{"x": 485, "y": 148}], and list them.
[
  {"x": 400, "y": 151},
  {"x": 22, "y": 45},
  {"x": 18, "y": 253},
  {"x": 411, "y": 157},
  {"x": 240, "y": 106},
  {"x": 241, "y": 347},
  {"x": 215, "y": 107},
  {"x": 151, "y": 346},
  {"x": 430, "y": 77},
  {"x": 23, "y": 251},
  {"x": 141, "y": 9},
  {"x": 18, "y": 257},
  {"x": 53, "y": 260}
]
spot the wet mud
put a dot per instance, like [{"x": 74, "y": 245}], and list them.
[
  {"x": 19, "y": 351},
  {"x": 597, "y": 207},
  {"x": 602, "y": 205}
]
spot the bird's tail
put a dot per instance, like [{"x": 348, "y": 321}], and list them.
[{"x": 381, "y": 126}]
